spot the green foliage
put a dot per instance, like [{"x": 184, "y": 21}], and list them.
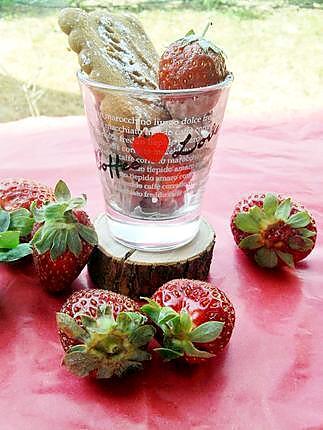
[
  {"x": 249, "y": 9},
  {"x": 6, "y": 3},
  {"x": 275, "y": 45},
  {"x": 248, "y": 5},
  {"x": 244, "y": 9},
  {"x": 305, "y": 3}
]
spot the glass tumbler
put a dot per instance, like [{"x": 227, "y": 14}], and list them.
[{"x": 153, "y": 150}]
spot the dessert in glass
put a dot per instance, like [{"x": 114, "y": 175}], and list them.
[{"x": 154, "y": 124}]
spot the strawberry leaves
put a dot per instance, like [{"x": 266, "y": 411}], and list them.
[
  {"x": 192, "y": 351},
  {"x": 58, "y": 246},
  {"x": 15, "y": 254},
  {"x": 298, "y": 220},
  {"x": 169, "y": 354},
  {"x": 14, "y": 225},
  {"x": 300, "y": 243},
  {"x": 283, "y": 210},
  {"x": 191, "y": 37},
  {"x": 207, "y": 331},
  {"x": 74, "y": 243},
  {"x": 4, "y": 220},
  {"x": 286, "y": 258},
  {"x": 21, "y": 220},
  {"x": 9, "y": 239},
  {"x": 190, "y": 33},
  {"x": 268, "y": 258},
  {"x": 107, "y": 346},
  {"x": 87, "y": 233},
  {"x": 253, "y": 241},
  {"x": 206, "y": 45},
  {"x": 306, "y": 233},
  {"x": 246, "y": 223},
  {"x": 270, "y": 204},
  {"x": 62, "y": 193},
  {"x": 80, "y": 363},
  {"x": 60, "y": 230},
  {"x": 265, "y": 257},
  {"x": 70, "y": 327},
  {"x": 274, "y": 233},
  {"x": 179, "y": 331}
]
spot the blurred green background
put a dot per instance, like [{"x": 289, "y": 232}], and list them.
[{"x": 275, "y": 50}]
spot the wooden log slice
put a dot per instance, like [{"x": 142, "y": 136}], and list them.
[{"x": 137, "y": 273}]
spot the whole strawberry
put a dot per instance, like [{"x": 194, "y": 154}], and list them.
[
  {"x": 20, "y": 193},
  {"x": 195, "y": 319},
  {"x": 64, "y": 240},
  {"x": 191, "y": 62},
  {"x": 273, "y": 230},
  {"x": 16, "y": 221},
  {"x": 103, "y": 334}
]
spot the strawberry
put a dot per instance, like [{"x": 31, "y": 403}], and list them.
[
  {"x": 273, "y": 230},
  {"x": 168, "y": 188},
  {"x": 20, "y": 193},
  {"x": 191, "y": 62},
  {"x": 16, "y": 222},
  {"x": 195, "y": 319},
  {"x": 103, "y": 334},
  {"x": 64, "y": 240}
]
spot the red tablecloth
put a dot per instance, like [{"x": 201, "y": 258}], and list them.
[{"x": 271, "y": 376}]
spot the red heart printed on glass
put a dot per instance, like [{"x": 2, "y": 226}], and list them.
[{"x": 151, "y": 148}]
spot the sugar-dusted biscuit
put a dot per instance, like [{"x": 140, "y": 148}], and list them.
[
  {"x": 113, "y": 49},
  {"x": 133, "y": 112}
]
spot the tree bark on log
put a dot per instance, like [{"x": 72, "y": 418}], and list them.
[{"x": 136, "y": 273}]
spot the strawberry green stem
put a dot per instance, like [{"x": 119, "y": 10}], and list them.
[
  {"x": 208, "y": 25},
  {"x": 60, "y": 229},
  {"x": 105, "y": 345},
  {"x": 179, "y": 331}
]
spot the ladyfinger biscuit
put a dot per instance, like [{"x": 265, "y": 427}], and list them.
[{"x": 112, "y": 49}]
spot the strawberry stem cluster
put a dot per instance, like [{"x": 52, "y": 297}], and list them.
[
  {"x": 179, "y": 332},
  {"x": 274, "y": 232},
  {"x": 60, "y": 229},
  {"x": 107, "y": 346},
  {"x": 191, "y": 37}
]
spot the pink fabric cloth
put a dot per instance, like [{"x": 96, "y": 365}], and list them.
[{"x": 270, "y": 377}]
